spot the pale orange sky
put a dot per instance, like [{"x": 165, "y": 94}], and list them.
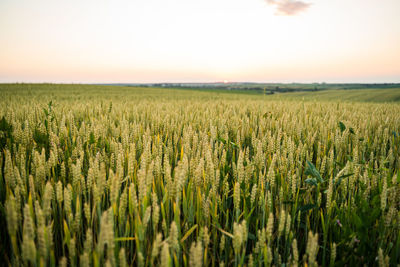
[{"x": 200, "y": 41}]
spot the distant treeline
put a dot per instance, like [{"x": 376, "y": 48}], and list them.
[{"x": 270, "y": 88}]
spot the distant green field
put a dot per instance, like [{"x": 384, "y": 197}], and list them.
[
  {"x": 79, "y": 91},
  {"x": 354, "y": 95},
  {"x": 348, "y": 95}
]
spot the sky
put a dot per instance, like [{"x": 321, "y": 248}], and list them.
[{"x": 140, "y": 41}]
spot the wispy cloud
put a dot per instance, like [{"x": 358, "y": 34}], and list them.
[{"x": 289, "y": 7}]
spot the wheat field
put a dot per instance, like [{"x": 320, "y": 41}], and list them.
[{"x": 124, "y": 176}]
